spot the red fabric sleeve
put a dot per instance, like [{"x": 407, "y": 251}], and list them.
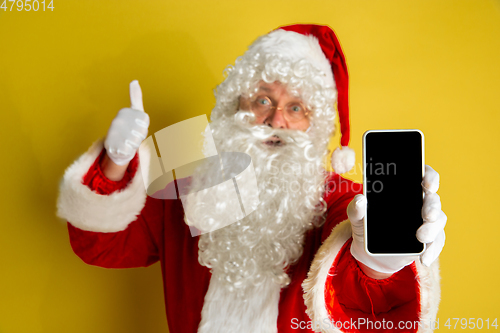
[
  {"x": 385, "y": 305},
  {"x": 136, "y": 246},
  {"x": 353, "y": 299},
  {"x": 98, "y": 183}
]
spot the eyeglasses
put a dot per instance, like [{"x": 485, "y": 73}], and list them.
[{"x": 262, "y": 106}]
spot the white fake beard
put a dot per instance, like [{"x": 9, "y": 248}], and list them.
[{"x": 248, "y": 258}]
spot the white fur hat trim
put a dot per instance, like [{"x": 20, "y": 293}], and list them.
[
  {"x": 295, "y": 47},
  {"x": 343, "y": 159}
]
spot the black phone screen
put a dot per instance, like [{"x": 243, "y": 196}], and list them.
[{"x": 393, "y": 163}]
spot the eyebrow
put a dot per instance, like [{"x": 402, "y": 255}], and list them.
[{"x": 295, "y": 98}]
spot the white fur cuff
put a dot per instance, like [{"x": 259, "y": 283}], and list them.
[
  {"x": 314, "y": 285},
  {"x": 90, "y": 211}
]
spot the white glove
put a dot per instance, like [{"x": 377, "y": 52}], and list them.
[
  {"x": 431, "y": 232},
  {"x": 128, "y": 129}
]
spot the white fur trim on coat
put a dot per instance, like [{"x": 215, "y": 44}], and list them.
[
  {"x": 87, "y": 210},
  {"x": 314, "y": 285},
  {"x": 226, "y": 312}
]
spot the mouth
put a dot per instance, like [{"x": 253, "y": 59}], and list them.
[{"x": 274, "y": 141}]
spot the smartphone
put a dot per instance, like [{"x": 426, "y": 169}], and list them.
[{"x": 393, "y": 169}]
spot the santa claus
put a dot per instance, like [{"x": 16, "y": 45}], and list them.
[{"x": 297, "y": 262}]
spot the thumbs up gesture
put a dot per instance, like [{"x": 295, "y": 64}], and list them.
[{"x": 128, "y": 129}]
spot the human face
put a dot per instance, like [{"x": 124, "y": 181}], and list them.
[{"x": 278, "y": 95}]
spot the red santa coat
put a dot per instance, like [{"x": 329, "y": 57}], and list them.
[{"x": 115, "y": 225}]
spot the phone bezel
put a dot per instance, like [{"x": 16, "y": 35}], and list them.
[{"x": 364, "y": 188}]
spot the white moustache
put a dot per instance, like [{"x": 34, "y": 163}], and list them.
[{"x": 245, "y": 120}]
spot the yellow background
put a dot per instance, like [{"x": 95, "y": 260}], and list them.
[{"x": 428, "y": 64}]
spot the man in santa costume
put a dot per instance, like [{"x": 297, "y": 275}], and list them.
[{"x": 295, "y": 264}]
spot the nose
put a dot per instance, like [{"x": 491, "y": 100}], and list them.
[{"x": 276, "y": 119}]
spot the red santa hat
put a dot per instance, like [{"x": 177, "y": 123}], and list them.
[{"x": 318, "y": 45}]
